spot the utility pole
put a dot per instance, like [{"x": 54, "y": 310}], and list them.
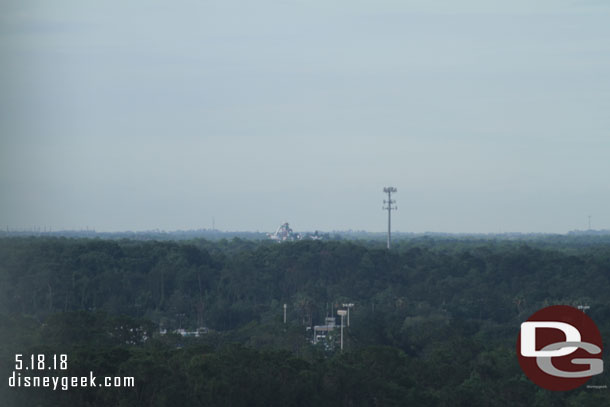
[
  {"x": 389, "y": 208},
  {"x": 285, "y": 305}
]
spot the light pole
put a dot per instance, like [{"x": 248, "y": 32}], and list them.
[
  {"x": 285, "y": 313},
  {"x": 348, "y": 306},
  {"x": 342, "y": 312}
]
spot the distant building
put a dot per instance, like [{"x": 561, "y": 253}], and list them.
[
  {"x": 183, "y": 332},
  {"x": 320, "y": 331},
  {"x": 284, "y": 234}
]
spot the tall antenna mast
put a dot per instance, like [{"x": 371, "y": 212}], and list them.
[{"x": 389, "y": 208}]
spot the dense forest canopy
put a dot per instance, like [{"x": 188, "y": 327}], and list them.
[{"x": 434, "y": 320}]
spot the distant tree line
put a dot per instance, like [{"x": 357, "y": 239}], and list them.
[{"x": 435, "y": 320}]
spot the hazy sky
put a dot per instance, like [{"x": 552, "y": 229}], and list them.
[{"x": 488, "y": 116}]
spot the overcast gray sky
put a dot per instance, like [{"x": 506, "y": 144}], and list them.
[{"x": 488, "y": 116}]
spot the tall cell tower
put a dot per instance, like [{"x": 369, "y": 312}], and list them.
[{"x": 389, "y": 208}]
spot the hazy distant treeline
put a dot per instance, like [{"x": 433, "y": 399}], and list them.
[{"x": 443, "y": 314}]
